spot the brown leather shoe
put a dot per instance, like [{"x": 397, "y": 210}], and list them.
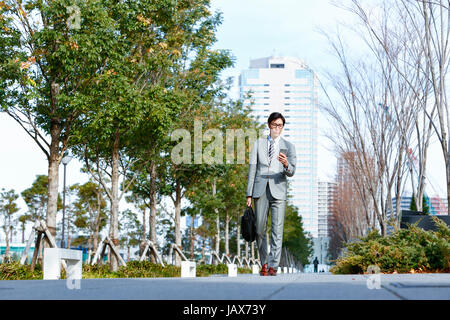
[
  {"x": 272, "y": 272},
  {"x": 264, "y": 271}
]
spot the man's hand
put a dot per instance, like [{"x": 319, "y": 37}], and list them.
[
  {"x": 249, "y": 201},
  {"x": 283, "y": 159}
]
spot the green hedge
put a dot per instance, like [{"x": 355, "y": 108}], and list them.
[
  {"x": 134, "y": 269},
  {"x": 405, "y": 251}
]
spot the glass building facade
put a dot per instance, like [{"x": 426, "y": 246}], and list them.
[{"x": 288, "y": 86}]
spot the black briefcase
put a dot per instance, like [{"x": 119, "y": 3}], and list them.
[{"x": 248, "y": 225}]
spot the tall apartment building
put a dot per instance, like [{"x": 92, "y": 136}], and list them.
[
  {"x": 436, "y": 204},
  {"x": 326, "y": 196},
  {"x": 288, "y": 86},
  {"x": 343, "y": 168}
]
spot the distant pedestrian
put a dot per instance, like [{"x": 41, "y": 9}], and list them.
[{"x": 316, "y": 263}]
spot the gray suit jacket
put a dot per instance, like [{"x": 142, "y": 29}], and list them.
[{"x": 259, "y": 166}]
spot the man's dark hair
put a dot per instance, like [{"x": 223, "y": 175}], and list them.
[{"x": 274, "y": 116}]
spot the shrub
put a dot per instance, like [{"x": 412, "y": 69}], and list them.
[
  {"x": 134, "y": 269},
  {"x": 97, "y": 271},
  {"x": 406, "y": 250},
  {"x": 146, "y": 269},
  {"x": 15, "y": 271}
]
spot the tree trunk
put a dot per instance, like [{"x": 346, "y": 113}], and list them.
[
  {"x": 142, "y": 244},
  {"x": 383, "y": 227},
  {"x": 447, "y": 166},
  {"x": 447, "y": 169},
  {"x": 238, "y": 240},
  {"x": 7, "y": 243},
  {"x": 203, "y": 250},
  {"x": 95, "y": 238},
  {"x": 217, "y": 245},
  {"x": 192, "y": 237},
  {"x": 253, "y": 249},
  {"x": 89, "y": 247},
  {"x": 144, "y": 224},
  {"x": 246, "y": 250},
  {"x": 41, "y": 252},
  {"x": 69, "y": 239},
  {"x": 178, "y": 223},
  {"x": 217, "y": 234},
  {"x": 53, "y": 176},
  {"x": 227, "y": 240},
  {"x": 97, "y": 221},
  {"x": 114, "y": 224},
  {"x": 152, "y": 217}
]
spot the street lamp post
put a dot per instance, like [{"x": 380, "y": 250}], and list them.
[{"x": 64, "y": 161}]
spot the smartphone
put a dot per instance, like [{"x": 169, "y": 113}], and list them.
[{"x": 284, "y": 151}]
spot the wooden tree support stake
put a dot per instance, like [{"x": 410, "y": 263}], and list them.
[
  {"x": 215, "y": 256},
  {"x": 150, "y": 247},
  {"x": 43, "y": 234},
  {"x": 101, "y": 249},
  {"x": 176, "y": 248}
]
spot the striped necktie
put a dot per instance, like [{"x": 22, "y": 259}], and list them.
[{"x": 272, "y": 142}]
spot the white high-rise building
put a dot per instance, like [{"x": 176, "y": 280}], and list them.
[
  {"x": 288, "y": 86},
  {"x": 326, "y": 196}
]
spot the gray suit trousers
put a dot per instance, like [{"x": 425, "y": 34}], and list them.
[{"x": 277, "y": 207}]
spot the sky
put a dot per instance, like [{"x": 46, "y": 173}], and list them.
[
  {"x": 254, "y": 29},
  {"x": 250, "y": 29}
]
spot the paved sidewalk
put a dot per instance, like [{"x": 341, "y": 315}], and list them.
[{"x": 298, "y": 286}]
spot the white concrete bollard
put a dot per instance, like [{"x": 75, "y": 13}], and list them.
[
  {"x": 188, "y": 269},
  {"x": 255, "y": 269},
  {"x": 232, "y": 270},
  {"x": 285, "y": 270},
  {"x": 52, "y": 263},
  {"x": 290, "y": 270},
  {"x": 279, "y": 270}
]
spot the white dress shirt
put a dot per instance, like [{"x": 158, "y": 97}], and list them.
[{"x": 275, "y": 165}]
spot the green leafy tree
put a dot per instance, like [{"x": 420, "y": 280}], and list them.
[
  {"x": 138, "y": 97},
  {"x": 295, "y": 239},
  {"x": 89, "y": 211},
  {"x": 166, "y": 228},
  {"x": 413, "y": 205},
  {"x": 233, "y": 182},
  {"x": 48, "y": 68},
  {"x": 23, "y": 219},
  {"x": 198, "y": 71},
  {"x": 130, "y": 230},
  {"x": 221, "y": 210},
  {"x": 36, "y": 199},
  {"x": 146, "y": 191},
  {"x": 8, "y": 207}
]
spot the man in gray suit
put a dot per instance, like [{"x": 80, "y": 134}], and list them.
[{"x": 272, "y": 159}]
